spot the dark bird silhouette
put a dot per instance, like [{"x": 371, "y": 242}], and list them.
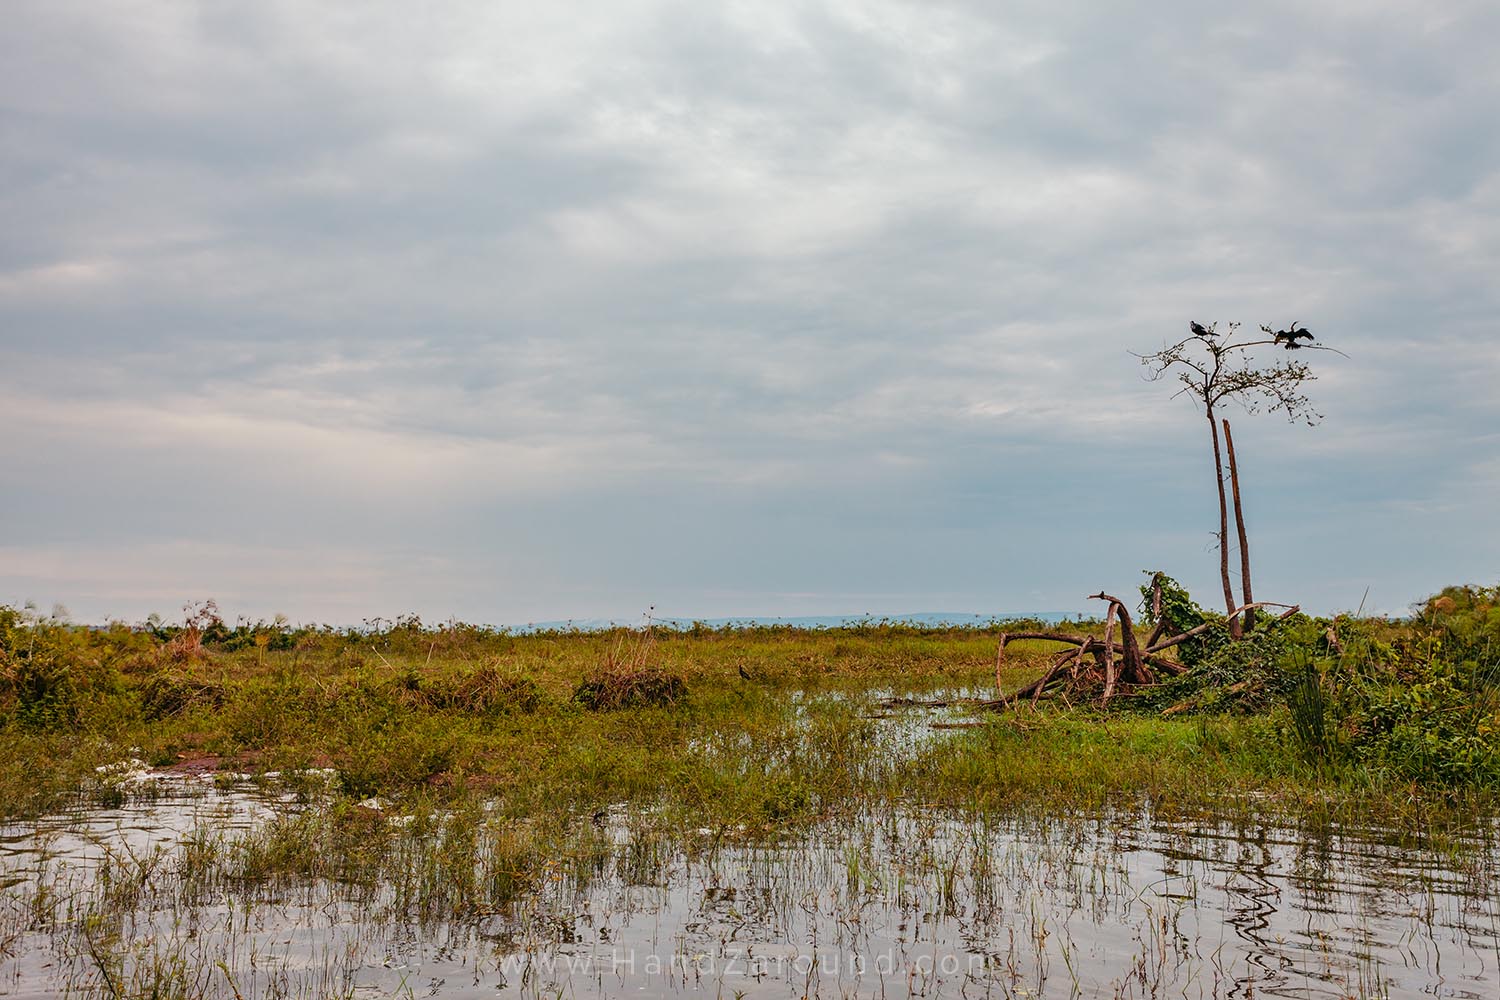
[
  {"x": 1199, "y": 330},
  {"x": 1290, "y": 337},
  {"x": 744, "y": 674}
]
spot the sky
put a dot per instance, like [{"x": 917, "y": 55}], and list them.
[{"x": 516, "y": 311}]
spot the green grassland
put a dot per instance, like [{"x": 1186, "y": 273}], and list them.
[{"x": 751, "y": 729}]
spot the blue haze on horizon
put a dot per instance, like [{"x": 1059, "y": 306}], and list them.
[
  {"x": 517, "y": 312},
  {"x": 923, "y": 619}
]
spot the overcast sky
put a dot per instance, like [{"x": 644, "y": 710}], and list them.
[{"x": 514, "y": 311}]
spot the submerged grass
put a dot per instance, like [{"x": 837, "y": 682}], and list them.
[{"x": 349, "y": 884}]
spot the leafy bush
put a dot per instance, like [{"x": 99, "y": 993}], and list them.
[
  {"x": 1438, "y": 731},
  {"x": 784, "y": 796},
  {"x": 1223, "y": 674},
  {"x": 1179, "y": 614},
  {"x": 1251, "y": 664},
  {"x": 1464, "y": 625},
  {"x": 41, "y": 693},
  {"x": 51, "y": 673},
  {"x": 402, "y": 755},
  {"x": 10, "y": 628},
  {"x": 1417, "y": 702}
]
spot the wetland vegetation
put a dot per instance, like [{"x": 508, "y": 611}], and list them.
[{"x": 255, "y": 809}]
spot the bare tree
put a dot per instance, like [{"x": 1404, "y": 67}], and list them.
[{"x": 1215, "y": 369}]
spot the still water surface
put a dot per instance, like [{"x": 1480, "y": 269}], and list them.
[{"x": 1115, "y": 904}]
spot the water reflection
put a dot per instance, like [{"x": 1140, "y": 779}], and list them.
[{"x": 1117, "y": 904}]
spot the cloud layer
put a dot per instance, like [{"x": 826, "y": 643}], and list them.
[{"x": 512, "y": 312}]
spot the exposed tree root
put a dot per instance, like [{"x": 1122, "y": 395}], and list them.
[
  {"x": 1091, "y": 668},
  {"x": 1118, "y": 666}
]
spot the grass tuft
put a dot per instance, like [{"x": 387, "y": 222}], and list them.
[{"x": 626, "y": 678}]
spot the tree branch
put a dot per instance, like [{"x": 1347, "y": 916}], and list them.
[{"x": 1198, "y": 629}]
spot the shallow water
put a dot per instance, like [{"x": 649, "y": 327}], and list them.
[{"x": 888, "y": 905}]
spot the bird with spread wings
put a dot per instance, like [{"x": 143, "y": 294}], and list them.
[{"x": 1289, "y": 338}]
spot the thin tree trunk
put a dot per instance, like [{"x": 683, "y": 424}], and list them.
[
  {"x": 1234, "y": 623},
  {"x": 1239, "y": 523},
  {"x": 1160, "y": 628}
]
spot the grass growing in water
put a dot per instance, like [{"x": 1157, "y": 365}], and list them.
[{"x": 760, "y": 727}]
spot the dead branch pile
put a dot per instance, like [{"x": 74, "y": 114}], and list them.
[{"x": 1103, "y": 666}]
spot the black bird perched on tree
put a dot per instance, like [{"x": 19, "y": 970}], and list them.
[
  {"x": 1199, "y": 330},
  {"x": 1290, "y": 337}
]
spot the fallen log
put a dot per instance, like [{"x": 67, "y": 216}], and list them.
[{"x": 1197, "y": 698}]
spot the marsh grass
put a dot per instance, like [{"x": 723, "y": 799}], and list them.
[
  {"x": 1308, "y": 706},
  {"x": 761, "y": 728},
  {"x": 483, "y": 690},
  {"x": 170, "y": 692},
  {"x": 627, "y": 676}
]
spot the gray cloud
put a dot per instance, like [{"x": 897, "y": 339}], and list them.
[{"x": 774, "y": 307}]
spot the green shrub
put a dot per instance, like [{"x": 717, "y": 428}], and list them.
[
  {"x": 38, "y": 686},
  {"x": 1433, "y": 732},
  {"x": 1462, "y": 624},
  {"x": 42, "y": 693},
  {"x": 1417, "y": 702},
  {"x": 784, "y": 796},
  {"x": 1179, "y": 614}
]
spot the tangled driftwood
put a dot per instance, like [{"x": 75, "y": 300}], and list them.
[{"x": 1114, "y": 663}]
